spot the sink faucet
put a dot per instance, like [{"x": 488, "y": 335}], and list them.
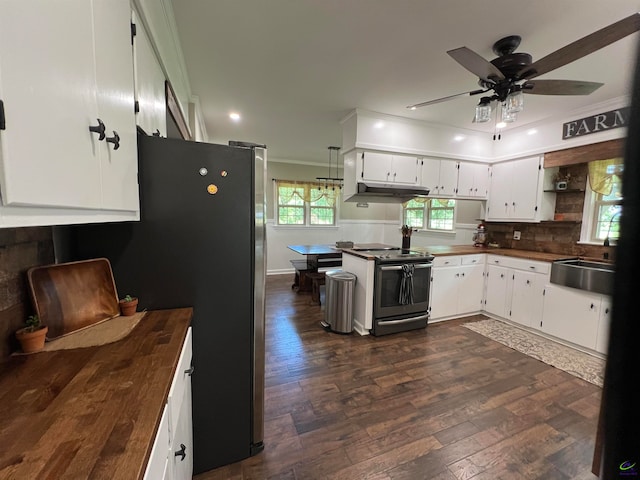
[{"x": 613, "y": 217}]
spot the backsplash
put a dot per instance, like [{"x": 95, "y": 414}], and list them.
[
  {"x": 554, "y": 237},
  {"x": 20, "y": 249}
]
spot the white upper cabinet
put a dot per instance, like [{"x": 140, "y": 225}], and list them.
[
  {"x": 56, "y": 80},
  {"x": 516, "y": 192},
  {"x": 440, "y": 176},
  {"x": 387, "y": 168},
  {"x": 473, "y": 180},
  {"x": 149, "y": 85}
]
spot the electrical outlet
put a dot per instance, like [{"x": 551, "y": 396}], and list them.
[{"x": 516, "y": 235}]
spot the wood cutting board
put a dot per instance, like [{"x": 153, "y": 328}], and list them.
[{"x": 75, "y": 295}]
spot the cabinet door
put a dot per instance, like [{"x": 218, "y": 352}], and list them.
[
  {"x": 404, "y": 169},
  {"x": 149, "y": 85},
  {"x": 571, "y": 314},
  {"x": 444, "y": 292},
  {"x": 431, "y": 175},
  {"x": 448, "y": 178},
  {"x": 470, "y": 288},
  {"x": 158, "y": 464},
  {"x": 604, "y": 323},
  {"x": 524, "y": 192},
  {"x": 47, "y": 83},
  {"x": 376, "y": 166},
  {"x": 182, "y": 441},
  {"x": 114, "y": 82},
  {"x": 466, "y": 182},
  {"x": 526, "y": 299},
  {"x": 480, "y": 180},
  {"x": 497, "y": 289},
  {"x": 500, "y": 193}
]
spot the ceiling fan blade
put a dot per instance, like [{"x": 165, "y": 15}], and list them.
[
  {"x": 580, "y": 48},
  {"x": 444, "y": 99},
  {"x": 477, "y": 65},
  {"x": 560, "y": 87}
]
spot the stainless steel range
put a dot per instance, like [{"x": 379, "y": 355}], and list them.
[{"x": 401, "y": 290}]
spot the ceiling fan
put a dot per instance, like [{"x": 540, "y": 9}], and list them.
[{"x": 511, "y": 73}]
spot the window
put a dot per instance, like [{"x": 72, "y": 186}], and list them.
[
  {"x": 603, "y": 202},
  {"x": 305, "y": 203},
  {"x": 436, "y": 213}
]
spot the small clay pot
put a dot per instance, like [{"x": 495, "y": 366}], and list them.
[
  {"x": 32, "y": 341},
  {"x": 128, "y": 308}
]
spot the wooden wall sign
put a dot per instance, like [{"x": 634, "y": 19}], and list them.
[{"x": 596, "y": 123}]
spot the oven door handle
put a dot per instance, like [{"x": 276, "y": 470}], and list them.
[
  {"x": 403, "y": 320},
  {"x": 399, "y": 267}
]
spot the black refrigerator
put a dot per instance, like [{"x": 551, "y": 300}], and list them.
[{"x": 201, "y": 242}]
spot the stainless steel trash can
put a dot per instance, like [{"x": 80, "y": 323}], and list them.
[{"x": 338, "y": 310}]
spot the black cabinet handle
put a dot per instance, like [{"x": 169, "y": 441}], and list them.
[
  {"x": 592, "y": 305},
  {"x": 606, "y": 310},
  {"x": 189, "y": 371},
  {"x": 115, "y": 140},
  {"x": 182, "y": 452},
  {"x": 99, "y": 129}
]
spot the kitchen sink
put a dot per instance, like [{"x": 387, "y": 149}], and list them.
[{"x": 585, "y": 275}]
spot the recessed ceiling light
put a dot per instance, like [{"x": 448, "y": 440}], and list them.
[
  {"x": 234, "y": 116},
  {"x": 413, "y": 108},
  {"x": 378, "y": 124},
  {"x": 501, "y": 125},
  {"x": 533, "y": 131},
  {"x": 458, "y": 138}
]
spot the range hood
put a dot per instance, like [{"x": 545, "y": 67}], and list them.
[{"x": 378, "y": 192}]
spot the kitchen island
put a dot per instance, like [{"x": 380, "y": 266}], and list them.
[{"x": 89, "y": 413}]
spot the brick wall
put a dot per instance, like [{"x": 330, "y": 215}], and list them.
[
  {"x": 20, "y": 249},
  {"x": 554, "y": 237}
]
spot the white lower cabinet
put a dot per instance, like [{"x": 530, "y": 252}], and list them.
[
  {"x": 172, "y": 453},
  {"x": 571, "y": 315},
  {"x": 604, "y": 323},
  {"x": 457, "y": 285},
  {"x": 515, "y": 289}
]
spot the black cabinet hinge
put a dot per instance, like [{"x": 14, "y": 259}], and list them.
[
  {"x": 3, "y": 124},
  {"x": 544, "y": 292},
  {"x": 536, "y": 209},
  {"x": 136, "y": 106},
  {"x": 134, "y": 31}
]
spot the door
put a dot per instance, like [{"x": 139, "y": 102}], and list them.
[
  {"x": 47, "y": 83},
  {"x": 444, "y": 288},
  {"x": 431, "y": 175},
  {"x": 404, "y": 169},
  {"x": 525, "y": 302},
  {"x": 470, "y": 288},
  {"x": 496, "y": 296},
  {"x": 524, "y": 192},
  {"x": 448, "y": 178},
  {"x": 571, "y": 314},
  {"x": 182, "y": 442},
  {"x": 388, "y": 284},
  {"x": 500, "y": 193},
  {"x": 376, "y": 166}
]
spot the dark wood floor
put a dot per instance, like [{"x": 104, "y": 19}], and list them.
[{"x": 440, "y": 403}]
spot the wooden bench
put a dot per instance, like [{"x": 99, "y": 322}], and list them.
[{"x": 301, "y": 282}]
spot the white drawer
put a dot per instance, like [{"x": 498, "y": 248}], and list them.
[
  {"x": 519, "y": 263},
  {"x": 447, "y": 261},
  {"x": 181, "y": 377},
  {"x": 478, "y": 259}
]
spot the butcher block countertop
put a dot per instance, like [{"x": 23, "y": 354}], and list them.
[
  {"x": 89, "y": 413},
  {"x": 444, "y": 250}
]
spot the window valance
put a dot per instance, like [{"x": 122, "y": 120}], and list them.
[
  {"x": 308, "y": 191},
  {"x": 601, "y": 173}
]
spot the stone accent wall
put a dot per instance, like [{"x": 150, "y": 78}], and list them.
[
  {"x": 20, "y": 249},
  {"x": 559, "y": 236}
]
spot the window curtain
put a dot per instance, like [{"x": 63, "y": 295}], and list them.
[
  {"x": 601, "y": 174},
  {"x": 309, "y": 191}
]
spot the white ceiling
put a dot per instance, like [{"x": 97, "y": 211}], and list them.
[{"x": 294, "y": 68}]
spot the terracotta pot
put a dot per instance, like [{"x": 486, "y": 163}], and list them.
[
  {"x": 32, "y": 341},
  {"x": 128, "y": 308}
]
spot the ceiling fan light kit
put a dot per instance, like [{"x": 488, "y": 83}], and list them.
[{"x": 510, "y": 75}]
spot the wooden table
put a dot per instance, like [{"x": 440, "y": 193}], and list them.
[
  {"x": 317, "y": 256},
  {"x": 89, "y": 413}
]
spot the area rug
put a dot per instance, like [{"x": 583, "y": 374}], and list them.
[{"x": 575, "y": 362}]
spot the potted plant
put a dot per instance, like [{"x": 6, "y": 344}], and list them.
[
  {"x": 32, "y": 336},
  {"x": 128, "y": 305}
]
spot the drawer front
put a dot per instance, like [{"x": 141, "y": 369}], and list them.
[
  {"x": 180, "y": 379},
  {"x": 474, "y": 259},
  {"x": 446, "y": 261},
  {"x": 519, "y": 264}
]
